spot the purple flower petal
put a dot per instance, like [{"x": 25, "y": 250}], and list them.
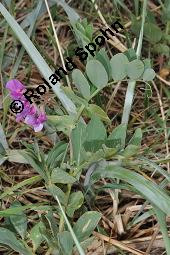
[
  {"x": 15, "y": 85},
  {"x": 16, "y": 89},
  {"x": 42, "y": 117},
  {"x": 28, "y": 110},
  {"x": 38, "y": 127},
  {"x": 31, "y": 120},
  {"x": 30, "y": 114},
  {"x": 36, "y": 122}
]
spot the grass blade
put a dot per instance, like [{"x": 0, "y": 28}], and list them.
[
  {"x": 31, "y": 15},
  {"x": 3, "y": 138},
  {"x": 71, "y": 13},
  {"x": 19, "y": 185},
  {"x": 70, "y": 228},
  {"x": 161, "y": 216},
  {"x": 30, "y": 30},
  {"x": 149, "y": 190}
]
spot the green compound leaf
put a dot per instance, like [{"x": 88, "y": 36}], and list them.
[
  {"x": 64, "y": 123},
  {"x": 149, "y": 74},
  {"x": 95, "y": 135},
  {"x": 56, "y": 191},
  {"x": 166, "y": 11},
  {"x": 36, "y": 235},
  {"x": 136, "y": 138},
  {"x": 75, "y": 202},
  {"x": 65, "y": 242},
  {"x": 162, "y": 49},
  {"x": 96, "y": 110},
  {"x": 56, "y": 154},
  {"x": 97, "y": 73},
  {"x": 94, "y": 125},
  {"x": 104, "y": 59},
  {"x": 81, "y": 83},
  {"x": 77, "y": 139},
  {"x": 119, "y": 64},
  {"x": 130, "y": 54},
  {"x": 152, "y": 32},
  {"x": 60, "y": 176},
  {"x": 19, "y": 221},
  {"x": 86, "y": 224},
  {"x": 8, "y": 238},
  {"x": 147, "y": 63},
  {"x": 130, "y": 151},
  {"x": 135, "y": 69},
  {"x": 117, "y": 137}
]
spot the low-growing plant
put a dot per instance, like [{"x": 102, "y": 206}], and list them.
[{"x": 88, "y": 148}]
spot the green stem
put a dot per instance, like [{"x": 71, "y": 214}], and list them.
[
  {"x": 70, "y": 228},
  {"x": 61, "y": 224},
  {"x": 167, "y": 27},
  {"x": 94, "y": 94},
  {"x": 163, "y": 227},
  {"x": 128, "y": 101},
  {"x": 139, "y": 48},
  {"x": 131, "y": 84},
  {"x": 83, "y": 106}
]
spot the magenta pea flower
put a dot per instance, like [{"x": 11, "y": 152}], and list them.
[
  {"x": 28, "y": 110},
  {"x": 30, "y": 114},
  {"x": 36, "y": 121},
  {"x": 16, "y": 89}
]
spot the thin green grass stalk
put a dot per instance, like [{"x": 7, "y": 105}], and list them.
[
  {"x": 131, "y": 84},
  {"x": 57, "y": 41},
  {"x": 99, "y": 12},
  {"x": 70, "y": 229},
  {"x": 3, "y": 141},
  {"x": 2, "y": 52},
  {"x": 21, "y": 184},
  {"x": 136, "y": 3},
  {"x": 161, "y": 216},
  {"x": 38, "y": 60}
]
